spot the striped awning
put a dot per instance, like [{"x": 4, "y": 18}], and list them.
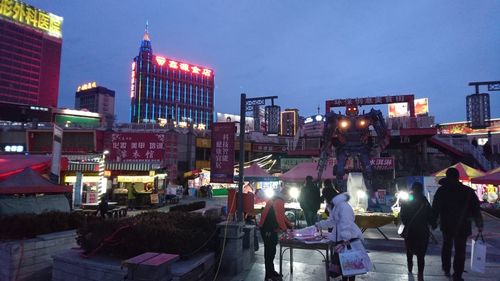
[
  {"x": 132, "y": 166},
  {"x": 83, "y": 167}
]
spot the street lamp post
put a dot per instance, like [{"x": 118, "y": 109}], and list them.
[{"x": 246, "y": 105}]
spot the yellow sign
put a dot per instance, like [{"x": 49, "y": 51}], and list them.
[
  {"x": 86, "y": 86},
  {"x": 143, "y": 179},
  {"x": 32, "y": 17}
]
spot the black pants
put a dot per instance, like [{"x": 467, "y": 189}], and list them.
[
  {"x": 417, "y": 246},
  {"x": 449, "y": 240},
  {"x": 270, "y": 241}
]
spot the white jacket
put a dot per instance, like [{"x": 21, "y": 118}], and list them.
[{"x": 341, "y": 219}]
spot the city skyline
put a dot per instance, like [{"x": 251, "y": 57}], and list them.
[{"x": 305, "y": 54}]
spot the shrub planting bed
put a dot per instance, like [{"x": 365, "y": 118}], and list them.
[
  {"x": 188, "y": 207},
  {"x": 180, "y": 233},
  {"x": 25, "y": 226}
]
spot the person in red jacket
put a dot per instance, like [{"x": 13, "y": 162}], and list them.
[{"x": 272, "y": 221}]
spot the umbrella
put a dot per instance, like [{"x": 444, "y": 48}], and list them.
[
  {"x": 465, "y": 172},
  {"x": 256, "y": 173}
]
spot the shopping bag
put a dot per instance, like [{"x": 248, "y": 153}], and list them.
[
  {"x": 352, "y": 262},
  {"x": 358, "y": 245},
  {"x": 402, "y": 230},
  {"x": 478, "y": 254}
]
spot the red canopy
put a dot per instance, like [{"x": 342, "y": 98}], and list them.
[
  {"x": 492, "y": 177},
  {"x": 302, "y": 170},
  {"x": 16, "y": 163},
  {"x": 29, "y": 181},
  {"x": 256, "y": 173}
]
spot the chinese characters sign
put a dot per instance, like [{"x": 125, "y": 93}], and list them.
[
  {"x": 86, "y": 86},
  {"x": 409, "y": 99},
  {"x": 183, "y": 66},
  {"x": 137, "y": 147},
  {"x": 32, "y": 17},
  {"x": 222, "y": 157}
]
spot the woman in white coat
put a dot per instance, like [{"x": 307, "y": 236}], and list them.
[{"x": 340, "y": 220}]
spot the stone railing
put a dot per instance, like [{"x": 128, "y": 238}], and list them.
[{"x": 31, "y": 259}]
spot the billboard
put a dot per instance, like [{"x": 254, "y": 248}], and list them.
[
  {"x": 33, "y": 17},
  {"x": 401, "y": 109},
  {"x": 222, "y": 156},
  {"x": 139, "y": 147},
  {"x": 478, "y": 110},
  {"x": 226, "y": 117}
]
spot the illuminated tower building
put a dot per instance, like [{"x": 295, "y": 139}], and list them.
[
  {"x": 289, "y": 122},
  {"x": 164, "y": 88},
  {"x": 30, "y": 54}
]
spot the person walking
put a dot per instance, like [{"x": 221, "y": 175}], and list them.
[
  {"x": 455, "y": 205},
  {"x": 272, "y": 221},
  {"x": 341, "y": 220},
  {"x": 417, "y": 216},
  {"x": 310, "y": 201}
]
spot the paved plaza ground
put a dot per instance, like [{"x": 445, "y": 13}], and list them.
[{"x": 388, "y": 257}]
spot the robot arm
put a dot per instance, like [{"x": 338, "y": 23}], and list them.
[{"x": 378, "y": 122}]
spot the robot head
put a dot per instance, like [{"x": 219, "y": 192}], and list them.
[{"x": 351, "y": 110}]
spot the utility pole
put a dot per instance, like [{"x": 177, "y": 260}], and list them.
[{"x": 246, "y": 105}]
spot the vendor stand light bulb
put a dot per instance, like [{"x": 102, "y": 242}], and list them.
[
  {"x": 269, "y": 192},
  {"x": 403, "y": 195},
  {"x": 344, "y": 124},
  {"x": 294, "y": 192},
  {"x": 361, "y": 194}
]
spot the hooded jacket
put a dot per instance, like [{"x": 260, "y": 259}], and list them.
[
  {"x": 341, "y": 219},
  {"x": 456, "y": 205}
]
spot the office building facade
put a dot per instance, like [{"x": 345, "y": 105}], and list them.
[
  {"x": 98, "y": 99},
  {"x": 30, "y": 54},
  {"x": 167, "y": 89}
]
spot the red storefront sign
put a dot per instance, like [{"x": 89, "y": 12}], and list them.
[
  {"x": 271, "y": 148},
  {"x": 222, "y": 156},
  {"x": 373, "y": 100},
  {"x": 377, "y": 163},
  {"x": 382, "y": 163},
  {"x": 137, "y": 147}
]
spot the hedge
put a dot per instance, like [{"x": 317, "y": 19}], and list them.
[
  {"x": 179, "y": 233},
  {"x": 26, "y": 226}
]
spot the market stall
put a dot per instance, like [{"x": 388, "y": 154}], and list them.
[
  {"x": 29, "y": 192},
  {"x": 490, "y": 183},
  {"x": 302, "y": 170},
  {"x": 466, "y": 173}
]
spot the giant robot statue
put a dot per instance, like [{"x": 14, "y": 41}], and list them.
[{"x": 349, "y": 134}]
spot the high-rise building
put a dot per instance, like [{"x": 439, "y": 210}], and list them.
[
  {"x": 164, "y": 88},
  {"x": 30, "y": 54},
  {"x": 98, "y": 99},
  {"x": 289, "y": 122}
]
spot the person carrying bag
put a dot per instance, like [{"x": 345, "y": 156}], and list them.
[{"x": 347, "y": 237}]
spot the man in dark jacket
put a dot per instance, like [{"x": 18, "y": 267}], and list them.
[
  {"x": 455, "y": 205},
  {"x": 310, "y": 201}
]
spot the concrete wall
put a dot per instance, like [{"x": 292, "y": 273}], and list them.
[{"x": 31, "y": 259}]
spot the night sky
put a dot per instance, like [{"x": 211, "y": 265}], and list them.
[{"x": 305, "y": 52}]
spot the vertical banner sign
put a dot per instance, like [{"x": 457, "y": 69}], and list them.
[
  {"x": 77, "y": 190},
  {"x": 55, "y": 168},
  {"x": 222, "y": 156}
]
